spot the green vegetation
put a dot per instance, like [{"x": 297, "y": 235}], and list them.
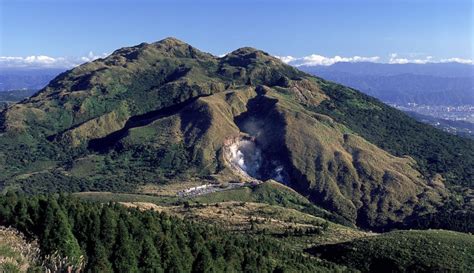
[
  {"x": 295, "y": 229},
  {"x": 405, "y": 251},
  {"x": 455, "y": 214},
  {"x": 112, "y": 238},
  {"x": 106, "y": 197},
  {"x": 109, "y": 237},
  {"x": 161, "y": 112},
  {"x": 271, "y": 193},
  {"x": 394, "y": 131}
]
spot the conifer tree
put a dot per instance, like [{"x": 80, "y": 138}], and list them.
[
  {"x": 98, "y": 260},
  {"x": 57, "y": 234},
  {"x": 125, "y": 259},
  {"x": 169, "y": 256},
  {"x": 108, "y": 229},
  {"x": 203, "y": 262},
  {"x": 150, "y": 260}
]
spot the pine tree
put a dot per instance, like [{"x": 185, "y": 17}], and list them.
[
  {"x": 150, "y": 260},
  {"x": 57, "y": 234},
  {"x": 6, "y": 211},
  {"x": 108, "y": 229},
  {"x": 169, "y": 257},
  {"x": 21, "y": 216},
  {"x": 98, "y": 260},
  {"x": 125, "y": 260},
  {"x": 203, "y": 262}
]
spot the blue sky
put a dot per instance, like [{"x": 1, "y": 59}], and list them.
[{"x": 386, "y": 30}]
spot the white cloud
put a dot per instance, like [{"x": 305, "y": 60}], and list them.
[
  {"x": 286, "y": 59},
  {"x": 311, "y": 60},
  {"x": 46, "y": 61},
  {"x": 457, "y": 60},
  {"x": 40, "y": 60},
  {"x": 394, "y": 58},
  {"x": 91, "y": 56},
  {"x": 315, "y": 59},
  {"x": 34, "y": 61}
]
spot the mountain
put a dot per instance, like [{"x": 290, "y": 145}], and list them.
[
  {"x": 26, "y": 78},
  {"x": 445, "y": 70},
  {"x": 427, "y": 84},
  {"x": 166, "y": 112}
]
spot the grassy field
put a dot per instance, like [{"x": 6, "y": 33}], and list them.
[
  {"x": 126, "y": 197},
  {"x": 296, "y": 229},
  {"x": 269, "y": 208},
  {"x": 405, "y": 251},
  {"x": 271, "y": 193}
]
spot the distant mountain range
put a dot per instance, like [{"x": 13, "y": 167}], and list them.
[
  {"x": 383, "y": 69},
  {"x": 24, "y": 78},
  {"x": 429, "y": 84}
]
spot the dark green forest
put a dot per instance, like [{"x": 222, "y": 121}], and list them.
[{"x": 109, "y": 237}]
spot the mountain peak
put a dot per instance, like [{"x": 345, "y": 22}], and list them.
[
  {"x": 169, "y": 47},
  {"x": 171, "y": 41},
  {"x": 245, "y": 56},
  {"x": 250, "y": 53}
]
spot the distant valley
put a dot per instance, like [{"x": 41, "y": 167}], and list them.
[
  {"x": 442, "y": 92},
  {"x": 26, "y": 78}
]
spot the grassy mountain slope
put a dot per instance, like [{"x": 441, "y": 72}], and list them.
[
  {"x": 404, "y": 251},
  {"x": 162, "y": 112},
  {"x": 397, "y": 133}
]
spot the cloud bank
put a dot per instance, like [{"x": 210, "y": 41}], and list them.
[
  {"x": 394, "y": 58},
  {"x": 43, "y": 61},
  {"x": 315, "y": 59}
]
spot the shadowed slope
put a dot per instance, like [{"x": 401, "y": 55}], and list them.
[{"x": 162, "y": 112}]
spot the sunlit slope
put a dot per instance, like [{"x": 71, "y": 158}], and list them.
[{"x": 162, "y": 112}]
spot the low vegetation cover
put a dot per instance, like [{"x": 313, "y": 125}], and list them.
[
  {"x": 272, "y": 193},
  {"x": 405, "y": 251},
  {"x": 17, "y": 254}
]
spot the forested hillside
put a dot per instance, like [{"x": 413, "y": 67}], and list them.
[{"x": 98, "y": 237}]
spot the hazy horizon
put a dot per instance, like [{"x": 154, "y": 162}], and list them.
[{"x": 322, "y": 33}]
